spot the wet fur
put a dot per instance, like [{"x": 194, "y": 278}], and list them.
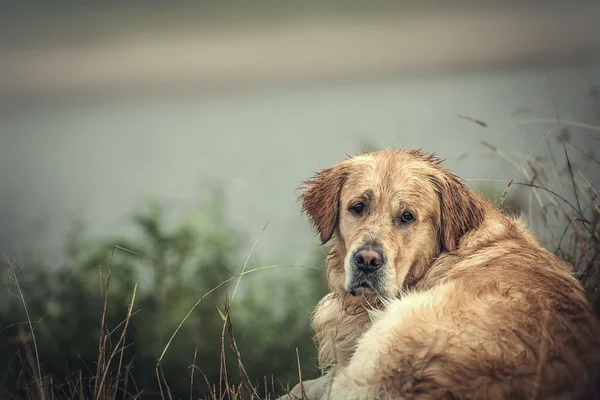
[{"x": 481, "y": 310}]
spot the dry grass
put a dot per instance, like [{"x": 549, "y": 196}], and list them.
[
  {"x": 104, "y": 386},
  {"x": 37, "y": 372}
]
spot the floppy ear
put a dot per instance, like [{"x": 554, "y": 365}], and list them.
[
  {"x": 461, "y": 210},
  {"x": 320, "y": 200}
]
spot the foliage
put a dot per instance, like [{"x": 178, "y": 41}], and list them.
[{"x": 179, "y": 265}]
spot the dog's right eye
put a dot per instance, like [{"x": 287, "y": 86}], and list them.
[{"x": 357, "y": 209}]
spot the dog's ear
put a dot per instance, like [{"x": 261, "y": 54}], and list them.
[
  {"x": 320, "y": 200},
  {"x": 461, "y": 210}
]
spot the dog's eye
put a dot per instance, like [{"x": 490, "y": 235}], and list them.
[
  {"x": 357, "y": 209},
  {"x": 406, "y": 217}
]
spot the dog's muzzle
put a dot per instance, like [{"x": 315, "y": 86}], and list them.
[{"x": 366, "y": 263}]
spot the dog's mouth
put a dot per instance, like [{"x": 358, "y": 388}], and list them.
[{"x": 362, "y": 286}]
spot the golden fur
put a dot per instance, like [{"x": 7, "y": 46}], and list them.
[{"x": 468, "y": 305}]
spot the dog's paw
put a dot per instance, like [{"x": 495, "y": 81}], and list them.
[{"x": 307, "y": 390}]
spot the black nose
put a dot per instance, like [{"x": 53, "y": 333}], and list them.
[{"x": 368, "y": 259}]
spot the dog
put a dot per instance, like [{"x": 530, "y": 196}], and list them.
[{"x": 437, "y": 294}]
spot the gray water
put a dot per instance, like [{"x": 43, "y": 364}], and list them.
[{"x": 98, "y": 160}]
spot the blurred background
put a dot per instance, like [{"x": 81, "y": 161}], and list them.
[{"x": 179, "y": 129}]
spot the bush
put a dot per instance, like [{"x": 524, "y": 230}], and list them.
[{"x": 178, "y": 266}]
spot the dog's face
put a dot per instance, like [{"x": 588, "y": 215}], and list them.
[{"x": 389, "y": 213}]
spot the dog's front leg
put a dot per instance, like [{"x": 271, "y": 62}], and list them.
[{"x": 338, "y": 321}]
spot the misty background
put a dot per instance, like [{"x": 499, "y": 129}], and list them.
[{"x": 106, "y": 105}]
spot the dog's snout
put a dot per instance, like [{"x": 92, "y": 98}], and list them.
[{"x": 368, "y": 259}]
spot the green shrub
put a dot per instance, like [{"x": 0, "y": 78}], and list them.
[{"x": 179, "y": 265}]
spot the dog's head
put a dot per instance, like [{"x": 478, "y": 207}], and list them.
[{"x": 388, "y": 214}]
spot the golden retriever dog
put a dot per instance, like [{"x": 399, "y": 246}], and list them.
[{"x": 436, "y": 294}]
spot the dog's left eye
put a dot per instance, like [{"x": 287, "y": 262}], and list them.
[
  {"x": 357, "y": 209},
  {"x": 407, "y": 217}
]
